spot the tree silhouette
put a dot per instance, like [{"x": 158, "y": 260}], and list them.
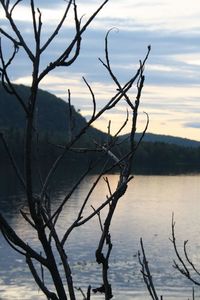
[{"x": 40, "y": 217}]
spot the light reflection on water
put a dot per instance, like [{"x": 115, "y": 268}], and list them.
[{"x": 145, "y": 211}]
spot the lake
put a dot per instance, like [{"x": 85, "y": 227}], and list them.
[{"x": 145, "y": 211}]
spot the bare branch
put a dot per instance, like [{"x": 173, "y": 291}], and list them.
[
  {"x": 8, "y": 86},
  {"x": 93, "y": 98},
  {"x": 17, "y": 241},
  {"x": 183, "y": 268},
  {"x": 57, "y": 28},
  {"x": 189, "y": 260},
  {"x": 61, "y": 61},
  {"x": 114, "y": 100},
  {"x": 146, "y": 273},
  {"x": 119, "y": 192},
  {"x": 14, "y": 5},
  {"x": 143, "y": 133},
  {"x": 108, "y": 67},
  {"x": 39, "y": 282},
  {"x": 79, "y": 216},
  {"x": 36, "y": 30},
  {"x": 13, "y": 162},
  {"x": 41, "y": 218},
  {"x": 10, "y": 37},
  {"x": 15, "y": 28},
  {"x": 71, "y": 119}
]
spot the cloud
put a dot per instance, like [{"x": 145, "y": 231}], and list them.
[
  {"x": 192, "y": 125},
  {"x": 172, "y": 84}
]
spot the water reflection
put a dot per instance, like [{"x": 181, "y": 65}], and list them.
[{"x": 145, "y": 211}]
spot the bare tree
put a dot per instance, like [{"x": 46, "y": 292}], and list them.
[
  {"x": 146, "y": 273},
  {"x": 40, "y": 218},
  {"x": 183, "y": 264}
]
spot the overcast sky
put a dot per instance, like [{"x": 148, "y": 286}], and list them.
[{"x": 171, "y": 95}]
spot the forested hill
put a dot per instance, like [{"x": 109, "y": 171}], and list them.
[
  {"x": 151, "y": 137},
  {"x": 53, "y": 114},
  {"x": 157, "y": 153}
]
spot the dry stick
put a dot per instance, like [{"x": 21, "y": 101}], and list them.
[
  {"x": 99, "y": 217},
  {"x": 112, "y": 155},
  {"x": 123, "y": 125},
  {"x": 82, "y": 293},
  {"x": 12, "y": 237},
  {"x": 189, "y": 260},
  {"x": 17, "y": 241},
  {"x": 108, "y": 185},
  {"x": 108, "y": 67},
  {"x": 34, "y": 20},
  {"x": 111, "y": 103},
  {"x": 36, "y": 212},
  {"x": 137, "y": 102},
  {"x": 79, "y": 216},
  {"x": 8, "y": 86},
  {"x": 35, "y": 208},
  {"x": 100, "y": 257},
  {"x": 29, "y": 138},
  {"x": 71, "y": 121},
  {"x": 93, "y": 98},
  {"x": 85, "y": 297},
  {"x": 16, "y": 30},
  {"x": 88, "y": 292},
  {"x": 124, "y": 174},
  {"x": 173, "y": 240},
  {"x": 37, "y": 29},
  {"x": 58, "y": 211},
  {"x": 13, "y": 162},
  {"x": 24, "y": 215},
  {"x": 62, "y": 255},
  {"x": 147, "y": 274},
  {"x": 143, "y": 133},
  {"x": 118, "y": 192},
  {"x": 117, "y": 162},
  {"x": 10, "y": 243},
  {"x": 61, "y": 60},
  {"x": 184, "y": 269},
  {"x": 40, "y": 283},
  {"x": 10, "y": 37},
  {"x": 77, "y": 223},
  {"x": 50, "y": 39},
  {"x": 14, "y": 5},
  {"x": 67, "y": 197},
  {"x": 139, "y": 86},
  {"x": 37, "y": 155}
]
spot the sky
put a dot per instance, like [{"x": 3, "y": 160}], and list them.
[{"x": 171, "y": 94}]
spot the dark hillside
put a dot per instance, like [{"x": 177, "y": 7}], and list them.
[
  {"x": 154, "y": 138},
  {"x": 52, "y": 112},
  {"x": 157, "y": 154}
]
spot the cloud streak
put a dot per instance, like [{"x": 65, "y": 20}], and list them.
[{"x": 172, "y": 87}]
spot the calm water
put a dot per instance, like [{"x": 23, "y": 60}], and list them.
[{"x": 145, "y": 211}]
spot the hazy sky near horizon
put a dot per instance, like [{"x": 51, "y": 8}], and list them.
[{"x": 171, "y": 95}]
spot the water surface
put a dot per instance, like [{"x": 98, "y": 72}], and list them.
[{"x": 145, "y": 211}]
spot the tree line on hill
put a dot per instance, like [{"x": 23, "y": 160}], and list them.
[{"x": 154, "y": 156}]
